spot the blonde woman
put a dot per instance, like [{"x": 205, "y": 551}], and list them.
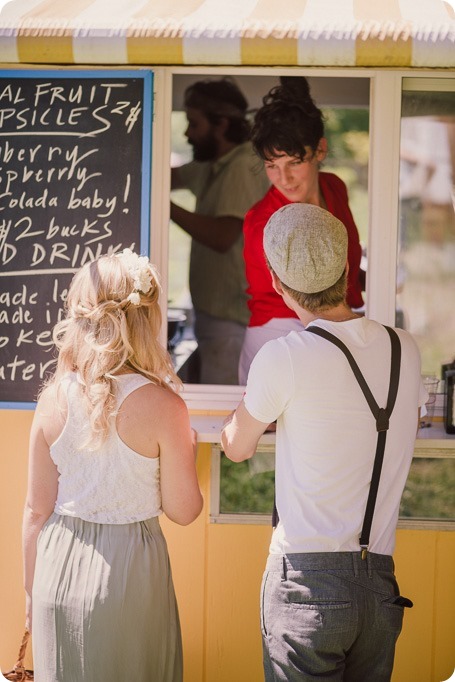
[{"x": 111, "y": 448}]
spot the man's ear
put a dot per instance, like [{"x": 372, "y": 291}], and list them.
[{"x": 276, "y": 283}]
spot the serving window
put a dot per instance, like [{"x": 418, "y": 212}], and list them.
[
  {"x": 426, "y": 245},
  {"x": 345, "y": 105}
]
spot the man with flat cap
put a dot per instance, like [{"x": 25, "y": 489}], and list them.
[{"x": 346, "y": 393}]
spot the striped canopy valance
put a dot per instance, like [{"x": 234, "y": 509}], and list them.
[{"x": 370, "y": 33}]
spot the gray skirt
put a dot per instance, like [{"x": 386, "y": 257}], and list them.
[{"x": 104, "y": 607}]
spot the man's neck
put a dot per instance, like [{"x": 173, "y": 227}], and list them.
[{"x": 340, "y": 313}]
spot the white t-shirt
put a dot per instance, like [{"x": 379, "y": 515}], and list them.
[{"x": 326, "y": 434}]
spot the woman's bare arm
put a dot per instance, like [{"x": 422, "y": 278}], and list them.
[{"x": 41, "y": 489}]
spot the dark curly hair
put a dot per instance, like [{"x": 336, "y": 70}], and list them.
[
  {"x": 288, "y": 122},
  {"x": 219, "y": 99}
]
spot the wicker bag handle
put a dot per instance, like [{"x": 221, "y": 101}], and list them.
[{"x": 19, "y": 673}]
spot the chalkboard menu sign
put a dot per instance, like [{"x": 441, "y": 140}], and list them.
[{"x": 75, "y": 149}]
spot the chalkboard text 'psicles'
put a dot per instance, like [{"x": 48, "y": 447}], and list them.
[
  {"x": 54, "y": 107},
  {"x": 74, "y": 185},
  {"x": 59, "y": 196}
]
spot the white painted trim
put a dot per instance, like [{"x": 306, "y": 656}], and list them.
[
  {"x": 215, "y": 478},
  {"x": 266, "y": 520},
  {"x": 425, "y": 524},
  {"x": 161, "y": 183},
  {"x": 385, "y": 114},
  {"x": 429, "y": 83}
]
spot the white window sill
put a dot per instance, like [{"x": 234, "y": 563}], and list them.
[{"x": 209, "y": 406}]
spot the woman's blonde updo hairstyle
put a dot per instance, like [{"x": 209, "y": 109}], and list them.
[{"x": 112, "y": 325}]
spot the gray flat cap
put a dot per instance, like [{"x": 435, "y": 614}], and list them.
[{"x": 306, "y": 246}]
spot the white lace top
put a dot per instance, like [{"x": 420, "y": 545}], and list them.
[{"x": 113, "y": 484}]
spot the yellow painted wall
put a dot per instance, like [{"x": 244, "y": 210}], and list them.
[{"x": 217, "y": 572}]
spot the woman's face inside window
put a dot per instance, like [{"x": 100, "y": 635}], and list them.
[{"x": 295, "y": 178}]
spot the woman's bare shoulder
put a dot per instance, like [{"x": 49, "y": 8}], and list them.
[
  {"x": 157, "y": 401},
  {"x": 51, "y": 411},
  {"x": 149, "y": 416},
  {"x": 48, "y": 402}
]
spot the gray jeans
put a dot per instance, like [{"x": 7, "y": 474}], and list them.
[{"x": 330, "y": 616}]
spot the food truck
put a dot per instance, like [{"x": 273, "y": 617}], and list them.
[{"x": 114, "y": 73}]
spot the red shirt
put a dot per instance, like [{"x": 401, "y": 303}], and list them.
[{"x": 264, "y": 302}]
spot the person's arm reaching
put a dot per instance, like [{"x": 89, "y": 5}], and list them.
[
  {"x": 218, "y": 233},
  {"x": 241, "y": 433},
  {"x": 242, "y": 186}
]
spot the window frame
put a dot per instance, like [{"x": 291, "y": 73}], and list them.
[{"x": 386, "y": 87}]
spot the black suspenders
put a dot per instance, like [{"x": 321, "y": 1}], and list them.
[{"x": 381, "y": 414}]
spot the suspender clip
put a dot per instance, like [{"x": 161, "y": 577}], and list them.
[
  {"x": 382, "y": 420},
  {"x": 364, "y": 552}
]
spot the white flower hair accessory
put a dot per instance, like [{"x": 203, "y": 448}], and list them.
[{"x": 141, "y": 272}]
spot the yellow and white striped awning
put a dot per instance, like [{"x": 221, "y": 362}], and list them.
[{"x": 373, "y": 33}]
